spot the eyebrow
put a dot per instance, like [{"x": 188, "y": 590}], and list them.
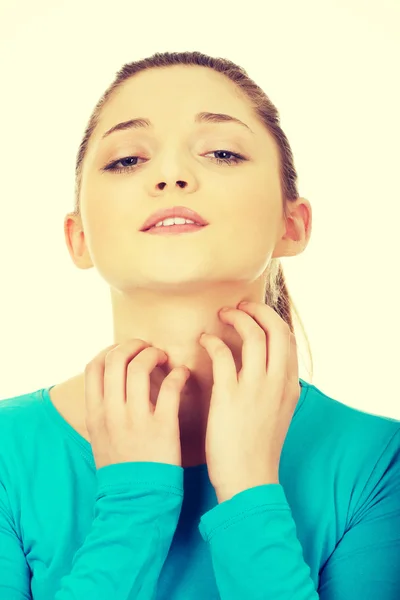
[{"x": 202, "y": 117}]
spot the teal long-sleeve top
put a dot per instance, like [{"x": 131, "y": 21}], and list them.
[{"x": 152, "y": 531}]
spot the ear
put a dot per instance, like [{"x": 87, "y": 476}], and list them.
[
  {"x": 75, "y": 240},
  {"x": 296, "y": 229}
]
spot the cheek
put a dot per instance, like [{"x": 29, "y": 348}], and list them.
[
  {"x": 252, "y": 214},
  {"x": 109, "y": 214},
  {"x": 102, "y": 231},
  {"x": 253, "y": 226}
]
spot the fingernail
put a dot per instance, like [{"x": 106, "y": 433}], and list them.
[
  {"x": 225, "y": 309},
  {"x": 243, "y": 303}
]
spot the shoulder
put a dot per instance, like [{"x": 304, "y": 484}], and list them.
[
  {"x": 23, "y": 406},
  {"x": 347, "y": 435},
  {"x": 21, "y": 418},
  {"x": 322, "y": 408},
  {"x": 354, "y": 454}
]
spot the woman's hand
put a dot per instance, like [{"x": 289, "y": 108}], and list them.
[
  {"x": 124, "y": 423},
  {"x": 250, "y": 411}
]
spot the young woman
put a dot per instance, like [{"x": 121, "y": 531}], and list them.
[{"x": 181, "y": 466}]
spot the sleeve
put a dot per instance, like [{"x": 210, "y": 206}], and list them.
[
  {"x": 256, "y": 553},
  {"x": 254, "y": 547},
  {"x": 14, "y": 570},
  {"x": 366, "y": 561},
  {"x": 136, "y": 513}
]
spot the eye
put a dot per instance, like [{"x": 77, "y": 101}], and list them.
[
  {"x": 235, "y": 158},
  {"x": 229, "y": 161}
]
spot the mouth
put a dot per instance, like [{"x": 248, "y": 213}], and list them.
[{"x": 174, "y": 229}]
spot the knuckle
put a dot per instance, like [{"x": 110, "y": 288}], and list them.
[
  {"x": 142, "y": 362},
  {"x": 94, "y": 421},
  {"x": 170, "y": 384},
  {"x": 93, "y": 361},
  {"x": 91, "y": 375},
  {"x": 173, "y": 380},
  {"x": 221, "y": 349},
  {"x": 112, "y": 425},
  {"x": 114, "y": 355},
  {"x": 257, "y": 335},
  {"x": 88, "y": 368},
  {"x": 137, "y": 366},
  {"x": 91, "y": 424}
]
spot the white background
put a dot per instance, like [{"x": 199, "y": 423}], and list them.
[{"x": 331, "y": 68}]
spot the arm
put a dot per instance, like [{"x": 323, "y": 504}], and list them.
[
  {"x": 135, "y": 515},
  {"x": 14, "y": 570},
  {"x": 256, "y": 553},
  {"x": 254, "y": 547}
]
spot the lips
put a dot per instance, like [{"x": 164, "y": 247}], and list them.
[
  {"x": 176, "y": 226},
  {"x": 175, "y": 211},
  {"x": 174, "y": 229}
]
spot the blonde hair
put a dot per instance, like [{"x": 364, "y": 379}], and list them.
[{"x": 276, "y": 292}]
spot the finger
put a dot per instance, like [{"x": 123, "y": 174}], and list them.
[
  {"x": 169, "y": 396},
  {"x": 254, "y": 349},
  {"x": 94, "y": 386},
  {"x": 223, "y": 364},
  {"x": 278, "y": 334},
  {"x": 138, "y": 380},
  {"x": 115, "y": 366}
]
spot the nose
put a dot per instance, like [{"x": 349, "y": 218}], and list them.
[{"x": 180, "y": 183}]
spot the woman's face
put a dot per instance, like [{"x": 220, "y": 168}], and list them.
[{"x": 177, "y": 165}]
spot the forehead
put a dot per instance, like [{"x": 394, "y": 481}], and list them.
[{"x": 176, "y": 93}]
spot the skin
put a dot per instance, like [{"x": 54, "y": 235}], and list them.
[{"x": 167, "y": 290}]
